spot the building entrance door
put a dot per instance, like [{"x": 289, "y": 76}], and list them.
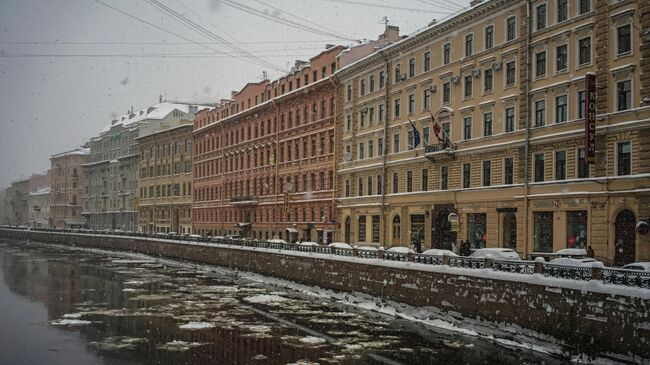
[
  {"x": 510, "y": 231},
  {"x": 441, "y": 234},
  {"x": 625, "y": 238},
  {"x": 347, "y": 230}
]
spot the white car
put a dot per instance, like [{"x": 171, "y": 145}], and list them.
[
  {"x": 340, "y": 245},
  {"x": 438, "y": 252},
  {"x": 308, "y": 244},
  {"x": 194, "y": 236},
  {"x": 367, "y": 248},
  {"x": 639, "y": 266},
  {"x": 567, "y": 261},
  {"x": 400, "y": 249},
  {"x": 497, "y": 253},
  {"x": 572, "y": 252},
  {"x": 277, "y": 240}
]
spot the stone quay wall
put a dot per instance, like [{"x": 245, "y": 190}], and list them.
[{"x": 583, "y": 314}]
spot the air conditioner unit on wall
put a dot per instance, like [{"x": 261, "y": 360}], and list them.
[
  {"x": 347, "y": 156},
  {"x": 496, "y": 66},
  {"x": 433, "y": 88},
  {"x": 403, "y": 77},
  {"x": 455, "y": 79},
  {"x": 476, "y": 72}
]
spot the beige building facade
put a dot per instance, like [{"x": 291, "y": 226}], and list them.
[
  {"x": 505, "y": 83},
  {"x": 165, "y": 180},
  {"x": 67, "y": 188}
]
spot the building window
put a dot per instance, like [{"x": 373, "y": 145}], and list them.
[
  {"x": 560, "y": 165},
  {"x": 381, "y": 112},
  {"x": 561, "y": 61},
  {"x": 382, "y": 79},
  {"x": 396, "y": 229},
  {"x": 425, "y": 135},
  {"x": 511, "y": 28},
  {"x": 362, "y": 87},
  {"x": 362, "y": 228},
  {"x": 510, "y": 73},
  {"x": 349, "y": 92},
  {"x": 540, "y": 113},
  {"x": 375, "y": 228},
  {"x": 410, "y": 140},
  {"x": 347, "y": 188},
  {"x": 411, "y": 103},
  {"x": 624, "y": 39},
  {"x": 585, "y": 6},
  {"x": 371, "y": 151},
  {"x": 469, "y": 45},
  {"x": 624, "y": 95},
  {"x": 489, "y": 37},
  {"x": 539, "y": 167},
  {"x": 380, "y": 147},
  {"x": 510, "y": 119},
  {"x": 444, "y": 177},
  {"x": 409, "y": 181},
  {"x": 623, "y": 158},
  {"x": 369, "y": 185},
  {"x": 427, "y": 61},
  {"x": 487, "y": 80},
  {"x": 584, "y": 47},
  {"x": 487, "y": 124},
  {"x": 424, "y": 180},
  {"x": 446, "y": 93},
  {"x": 412, "y": 67},
  {"x": 467, "y": 128},
  {"x": 426, "y": 100},
  {"x": 476, "y": 232},
  {"x": 541, "y": 17},
  {"x": 397, "y": 105},
  {"x": 466, "y": 175},
  {"x": 396, "y": 143},
  {"x": 560, "y": 109},
  {"x": 508, "y": 170},
  {"x": 543, "y": 232},
  {"x": 582, "y": 99},
  {"x": 540, "y": 64},
  {"x": 360, "y": 187},
  {"x": 487, "y": 172},
  {"x": 562, "y": 10},
  {"x": 583, "y": 166},
  {"x": 379, "y": 185},
  {"x": 576, "y": 229},
  {"x": 395, "y": 182},
  {"x": 398, "y": 73},
  {"x": 371, "y": 83},
  {"x": 468, "y": 86},
  {"x": 446, "y": 53},
  {"x": 361, "y": 151}
]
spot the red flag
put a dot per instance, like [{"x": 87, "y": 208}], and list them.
[{"x": 437, "y": 130}]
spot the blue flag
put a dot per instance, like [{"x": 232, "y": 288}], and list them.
[{"x": 416, "y": 135}]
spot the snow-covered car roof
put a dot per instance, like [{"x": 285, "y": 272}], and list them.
[
  {"x": 308, "y": 244},
  {"x": 400, "y": 249},
  {"x": 438, "y": 252},
  {"x": 643, "y": 266},
  {"x": 574, "y": 252},
  {"x": 567, "y": 261},
  {"x": 339, "y": 245},
  {"x": 497, "y": 252}
]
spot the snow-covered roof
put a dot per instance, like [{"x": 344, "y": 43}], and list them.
[
  {"x": 41, "y": 191},
  {"x": 78, "y": 151},
  {"x": 155, "y": 112}
]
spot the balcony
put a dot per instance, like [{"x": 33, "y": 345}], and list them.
[
  {"x": 439, "y": 152},
  {"x": 244, "y": 200}
]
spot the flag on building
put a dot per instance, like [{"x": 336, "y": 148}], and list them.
[
  {"x": 442, "y": 137},
  {"x": 416, "y": 135}
]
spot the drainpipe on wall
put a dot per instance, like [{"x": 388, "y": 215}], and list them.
[
  {"x": 335, "y": 149},
  {"x": 277, "y": 166},
  {"x": 527, "y": 129},
  {"x": 382, "y": 234}
]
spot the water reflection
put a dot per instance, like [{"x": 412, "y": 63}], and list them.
[{"x": 146, "y": 312}]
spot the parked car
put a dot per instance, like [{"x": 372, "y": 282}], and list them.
[
  {"x": 568, "y": 261},
  {"x": 639, "y": 266},
  {"x": 277, "y": 240},
  {"x": 438, "y": 252},
  {"x": 340, "y": 245},
  {"x": 194, "y": 237},
  {"x": 572, "y": 252},
  {"x": 308, "y": 243},
  {"x": 400, "y": 249},
  {"x": 497, "y": 253},
  {"x": 367, "y": 248}
]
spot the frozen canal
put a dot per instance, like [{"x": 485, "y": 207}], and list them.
[{"x": 63, "y": 306}]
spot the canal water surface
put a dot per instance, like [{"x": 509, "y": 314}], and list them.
[{"x": 71, "y": 306}]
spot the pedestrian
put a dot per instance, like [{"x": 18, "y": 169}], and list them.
[
  {"x": 590, "y": 252},
  {"x": 464, "y": 248}
]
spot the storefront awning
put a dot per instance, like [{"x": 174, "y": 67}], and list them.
[{"x": 291, "y": 230}]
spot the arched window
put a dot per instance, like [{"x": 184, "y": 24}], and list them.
[{"x": 396, "y": 229}]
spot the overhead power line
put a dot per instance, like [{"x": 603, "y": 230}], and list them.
[
  {"x": 442, "y": 4},
  {"x": 159, "y": 43},
  {"x": 386, "y": 6},
  {"x": 136, "y": 55},
  {"x": 163, "y": 29},
  {"x": 207, "y": 33}
]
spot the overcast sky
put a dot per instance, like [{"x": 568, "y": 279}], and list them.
[{"x": 68, "y": 67}]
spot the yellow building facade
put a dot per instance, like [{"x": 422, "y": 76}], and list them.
[
  {"x": 505, "y": 83},
  {"x": 165, "y": 180}
]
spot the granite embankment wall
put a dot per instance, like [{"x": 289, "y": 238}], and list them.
[{"x": 584, "y": 314}]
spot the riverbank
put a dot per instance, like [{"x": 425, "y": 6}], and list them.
[{"x": 589, "y": 315}]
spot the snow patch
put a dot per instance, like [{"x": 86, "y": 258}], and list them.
[{"x": 196, "y": 325}]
